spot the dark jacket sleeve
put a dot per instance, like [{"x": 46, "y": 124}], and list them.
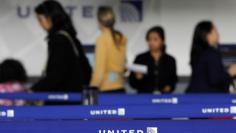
[
  {"x": 217, "y": 75},
  {"x": 134, "y": 82},
  {"x": 171, "y": 74},
  {"x": 56, "y": 65}
]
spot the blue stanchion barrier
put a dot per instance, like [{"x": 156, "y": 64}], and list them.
[
  {"x": 122, "y": 99},
  {"x": 196, "y": 126},
  {"x": 148, "y": 99},
  {"x": 71, "y": 97},
  {"x": 128, "y": 111}
]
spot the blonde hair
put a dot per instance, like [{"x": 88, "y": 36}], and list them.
[{"x": 106, "y": 17}]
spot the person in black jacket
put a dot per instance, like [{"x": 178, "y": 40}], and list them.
[
  {"x": 208, "y": 73},
  {"x": 161, "y": 74},
  {"x": 67, "y": 69}
]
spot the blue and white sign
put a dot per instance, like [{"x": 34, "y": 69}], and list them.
[
  {"x": 125, "y": 126},
  {"x": 118, "y": 112}
]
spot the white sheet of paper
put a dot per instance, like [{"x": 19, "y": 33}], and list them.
[{"x": 137, "y": 68}]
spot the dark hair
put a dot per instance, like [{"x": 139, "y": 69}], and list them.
[
  {"x": 60, "y": 19},
  {"x": 200, "y": 42},
  {"x": 12, "y": 71},
  {"x": 160, "y": 31},
  {"x": 106, "y": 17}
]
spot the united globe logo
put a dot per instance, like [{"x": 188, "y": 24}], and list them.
[
  {"x": 173, "y": 100},
  {"x": 9, "y": 113},
  {"x": 109, "y": 112},
  {"x": 152, "y": 130},
  {"x": 131, "y": 10},
  {"x": 149, "y": 130},
  {"x": 220, "y": 110}
]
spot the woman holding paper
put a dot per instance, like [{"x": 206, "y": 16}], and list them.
[
  {"x": 161, "y": 68},
  {"x": 110, "y": 55}
]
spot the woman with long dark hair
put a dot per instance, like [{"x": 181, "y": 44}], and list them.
[
  {"x": 67, "y": 67},
  {"x": 110, "y": 51},
  {"x": 161, "y": 75},
  {"x": 208, "y": 72}
]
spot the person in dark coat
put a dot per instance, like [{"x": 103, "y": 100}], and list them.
[
  {"x": 208, "y": 72},
  {"x": 161, "y": 75},
  {"x": 67, "y": 69}
]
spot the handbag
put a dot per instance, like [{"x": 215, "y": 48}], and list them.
[{"x": 85, "y": 69}]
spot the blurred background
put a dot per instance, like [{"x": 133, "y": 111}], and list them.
[{"x": 22, "y": 38}]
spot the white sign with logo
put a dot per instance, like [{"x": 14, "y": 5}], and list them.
[{"x": 149, "y": 130}]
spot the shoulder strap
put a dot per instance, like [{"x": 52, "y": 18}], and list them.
[{"x": 67, "y": 35}]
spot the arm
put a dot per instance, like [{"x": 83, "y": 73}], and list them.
[
  {"x": 100, "y": 63},
  {"x": 56, "y": 67},
  {"x": 135, "y": 79},
  {"x": 218, "y": 77},
  {"x": 172, "y": 77}
]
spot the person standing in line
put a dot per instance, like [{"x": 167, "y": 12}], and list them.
[
  {"x": 161, "y": 73},
  {"x": 208, "y": 72},
  {"x": 67, "y": 69},
  {"x": 110, "y": 53}
]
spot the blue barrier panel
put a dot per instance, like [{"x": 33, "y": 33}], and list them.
[
  {"x": 196, "y": 126},
  {"x": 42, "y": 96},
  {"x": 128, "y": 111},
  {"x": 122, "y": 99},
  {"x": 147, "y": 99}
]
